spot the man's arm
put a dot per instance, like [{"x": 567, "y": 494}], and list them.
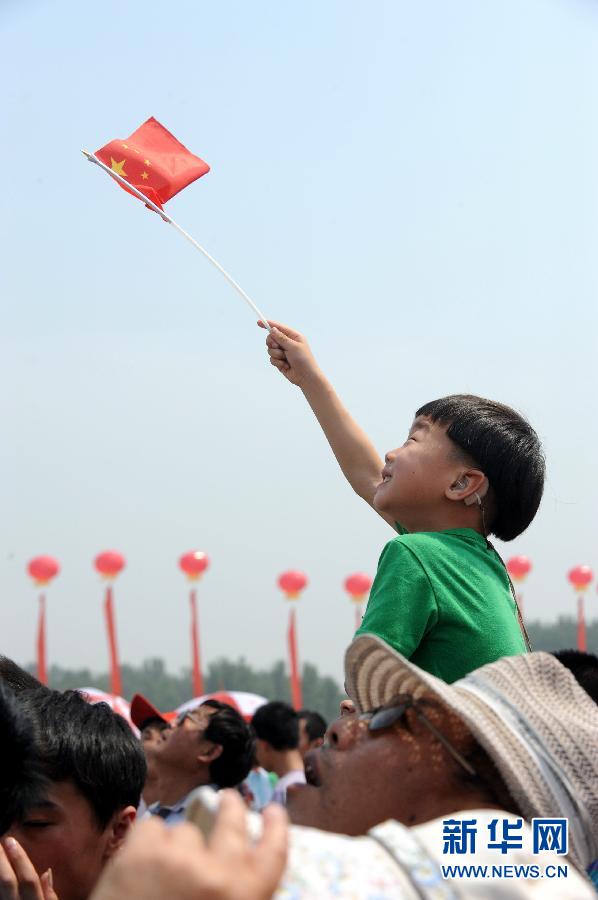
[{"x": 356, "y": 455}]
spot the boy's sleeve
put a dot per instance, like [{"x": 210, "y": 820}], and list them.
[{"x": 402, "y": 607}]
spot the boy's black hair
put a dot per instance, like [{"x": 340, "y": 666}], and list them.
[
  {"x": 21, "y": 781},
  {"x": 315, "y": 724},
  {"x": 89, "y": 745},
  {"x": 584, "y": 666},
  {"x": 507, "y": 450},
  {"x": 228, "y": 728},
  {"x": 278, "y": 724}
]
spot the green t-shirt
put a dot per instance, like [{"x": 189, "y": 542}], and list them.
[{"x": 443, "y": 600}]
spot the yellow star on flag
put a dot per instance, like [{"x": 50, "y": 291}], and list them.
[
  {"x": 126, "y": 146},
  {"x": 145, "y": 176},
  {"x": 147, "y": 162},
  {"x": 118, "y": 167}
]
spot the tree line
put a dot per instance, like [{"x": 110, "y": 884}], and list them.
[{"x": 320, "y": 692}]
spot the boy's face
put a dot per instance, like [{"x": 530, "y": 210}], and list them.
[
  {"x": 416, "y": 476},
  {"x": 62, "y": 834}
]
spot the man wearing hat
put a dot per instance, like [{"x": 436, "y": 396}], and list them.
[
  {"x": 211, "y": 744},
  {"x": 512, "y": 742},
  {"x": 151, "y": 723}
]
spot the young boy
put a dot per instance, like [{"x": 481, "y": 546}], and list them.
[{"x": 470, "y": 467}]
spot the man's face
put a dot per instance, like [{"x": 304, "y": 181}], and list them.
[
  {"x": 182, "y": 744},
  {"x": 305, "y": 743},
  {"x": 63, "y": 834},
  {"x": 151, "y": 738},
  {"x": 360, "y": 778},
  {"x": 152, "y": 731},
  {"x": 416, "y": 475}
]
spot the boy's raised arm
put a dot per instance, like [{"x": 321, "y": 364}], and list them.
[{"x": 356, "y": 455}]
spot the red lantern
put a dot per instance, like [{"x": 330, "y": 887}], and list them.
[
  {"x": 292, "y": 583},
  {"x": 43, "y": 569},
  {"x": 580, "y": 577},
  {"x": 357, "y": 586},
  {"x": 109, "y": 563},
  {"x": 194, "y": 563},
  {"x": 519, "y": 567}
]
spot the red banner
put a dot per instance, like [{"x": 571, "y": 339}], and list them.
[
  {"x": 42, "y": 671},
  {"x": 115, "y": 677},
  {"x": 195, "y": 664},
  {"x": 581, "y": 625},
  {"x": 296, "y": 689}
]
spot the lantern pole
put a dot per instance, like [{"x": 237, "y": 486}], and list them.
[
  {"x": 115, "y": 674},
  {"x": 581, "y": 624},
  {"x": 42, "y": 669},
  {"x": 195, "y": 656},
  {"x": 296, "y": 686}
]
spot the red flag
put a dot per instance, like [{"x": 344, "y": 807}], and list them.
[
  {"x": 42, "y": 672},
  {"x": 115, "y": 678},
  {"x": 153, "y": 161},
  {"x": 581, "y": 625},
  {"x": 195, "y": 666},
  {"x": 296, "y": 690}
]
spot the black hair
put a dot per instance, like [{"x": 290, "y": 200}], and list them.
[
  {"x": 89, "y": 745},
  {"x": 584, "y": 667},
  {"x": 315, "y": 724},
  {"x": 17, "y": 678},
  {"x": 507, "y": 450},
  {"x": 228, "y": 728},
  {"x": 22, "y": 783},
  {"x": 278, "y": 724}
]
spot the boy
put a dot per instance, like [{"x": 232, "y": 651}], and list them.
[{"x": 470, "y": 467}]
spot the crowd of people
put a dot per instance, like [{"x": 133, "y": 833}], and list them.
[{"x": 462, "y": 763}]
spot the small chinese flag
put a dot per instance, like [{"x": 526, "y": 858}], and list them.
[{"x": 153, "y": 161}]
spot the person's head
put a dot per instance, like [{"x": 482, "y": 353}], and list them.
[
  {"x": 149, "y": 720},
  {"x": 475, "y": 461},
  {"x": 95, "y": 771},
  {"x": 276, "y": 727},
  {"x": 151, "y": 723},
  {"x": 312, "y": 728},
  {"x": 517, "y": 734},
  {"x": 584, "y": 667},
  {"x": 211, "y": 744},
  {"x": 16, "y": 678},
  {"x": 21, "y": 780}
]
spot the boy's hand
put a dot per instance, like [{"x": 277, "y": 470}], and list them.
[
  {"x": 18, "y": 878},
  {"x": 289, "y": 352}
]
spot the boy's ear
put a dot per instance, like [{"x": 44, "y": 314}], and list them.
[
  {"x": 210, "y": 753},
  {"x": 118, "y": 829},
  {"x": 469, "y": 488}
]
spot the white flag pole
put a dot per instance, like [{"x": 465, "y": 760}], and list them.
[{"x": 94, "y": 159}]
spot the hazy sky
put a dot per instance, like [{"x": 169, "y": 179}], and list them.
[{"x": 412, "y": 184}]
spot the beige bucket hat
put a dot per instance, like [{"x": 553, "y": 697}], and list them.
[{"x": 528, "y": 713}]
